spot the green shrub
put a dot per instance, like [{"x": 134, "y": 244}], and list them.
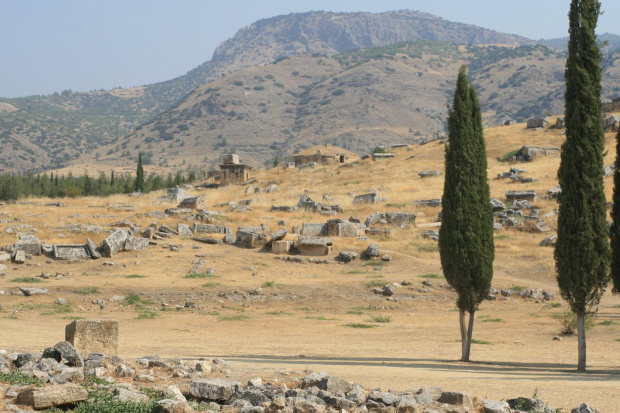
[
  {"x": 87, "y": 290},
  {"x": 19, "y": 378},
  {"x": 568, "y": 322},
  {"x": 27, "y": 280},
  {"x": 360, "y": 325}
]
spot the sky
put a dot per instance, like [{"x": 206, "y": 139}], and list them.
[{"x": 49, "y": 46}]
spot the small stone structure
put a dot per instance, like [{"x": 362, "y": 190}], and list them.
[
  {"x": 537, "y": 123},
  {"x": 93, "y": 336},
  {"x": 521, "y": 195},
  {"x": 231, "y": 171},
  {"x": 314, "y": 230},
  {"x": 176, "y": 194},
  {"x": 529, "y": 152},
  {"x": 250, "y": 239},
  {"x": 342, "y": 228},
  {"x": 193, "y": 202},
  {"x": 136, "y": 244},
  {"x": 29, "y": 244},
  {"x": 314, "y": 246},
  {"x": 321, "y": 157},
  {"x": 371, "y": 198},
  {"x": 71, "y": 252},
  {"x": 282, "y": 247}
]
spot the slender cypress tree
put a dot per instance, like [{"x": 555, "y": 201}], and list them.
[
  {"x": 139, "y": 183},
  {"x": 582, "y": 252},
  {"x": 615, "y": 228},
  {"x": 466, "y": 234}
]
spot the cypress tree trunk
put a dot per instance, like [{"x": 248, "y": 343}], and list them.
[
  {"x": 615, "y": 228},
  {"x": 581, "y": 338},
  {"x": 465, "y": 342}
]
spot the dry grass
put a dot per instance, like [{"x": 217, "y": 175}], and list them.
[{"x": 308, "y": 304}]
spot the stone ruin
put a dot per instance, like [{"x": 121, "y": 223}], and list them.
[
  {"x": 537, "y": 123},
  {"x": 93, "y": 336},
  {"x": 305, "y": 202},
  {"x": 314, "y": 246},
  {"x": 176, "y": 194},
  {"x": 371, "y": 198},
  {"x": 427, "y": 174}
]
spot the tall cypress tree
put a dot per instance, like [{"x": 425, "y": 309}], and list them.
[
  {"x": 615, "y": 228},
  {"x": 466, "y": 234},
  {"x": 582, "y": 252},
  {"x": 139, "y": 182}
]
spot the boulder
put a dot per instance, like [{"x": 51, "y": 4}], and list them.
[
  {"x": 93, "y": 336},
  {"x": 70, "y": 354},
  {"x": 492, "y": 406},
  {"x": 371, "y": 198},
  {"x": 30, "y": 291},
  {"x": 19, "y": 257},
  {"x": 184, "y": 230},
  {"x": 136, "y": 244},
  {"x": 212, "y": 389},
  {"x": 93, "y": 250},
  {"x": 347, "y": 256},
  {"x": 172, "y": 406},
  {"x": 584, "y": 408},
  {"x": 52, "y": 396},
  {"x": 456, "y": 398}
]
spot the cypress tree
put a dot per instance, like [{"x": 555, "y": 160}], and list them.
[
  {"x": 615, "y": 228},
  {"x": 466, "y": 235},
  {"x": 139, "y": 183},
  {"x": 582, "y": 252}
]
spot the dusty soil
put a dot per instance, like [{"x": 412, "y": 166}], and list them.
[{"x": 309, "y": 315}]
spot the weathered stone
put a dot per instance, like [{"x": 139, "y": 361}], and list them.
[
  {"x": 347, "y": 256},
  {"x": 251, "y": 239},
  {"x": 339, "y": 228},
  {"x": 70, "y": 353},
  {"x": 211, "y": 229},
  {"x": 282, "y": 247},
  {"x": 314, "y": 230},
  {"x": 29, "y": 291},
  {"x": 334, "y": 385},
  {"x": 407, "y": 405},
  {"x": 388, "y": 399},
  {"x": 212, "y": 389},
  {"x": 93, "y": 336},
  {"x": 426, "y": 174},
  {"x": 114, "y": 243},
  {"x": 19, "y": 257},
  {"x": 537, "y": 123},
  {"x": 372, "y": 251},
  {"x": 68, "y": 375},
  {"x": 123, "y": 371},
  {"x": 173, "y": 406},
  {"x": 71, "y": 252},
  {"x": 374, "y": 219},
  {"x": 176, "y": 194},
  {"x": 456, "y": 398},
  {"x": 283, "y": 208},
  {"x": 193, "y": 202},
  {"x": 371, "y": 198},
  {"x": 400, "y": 217},
  {"x": 24, "y": 359},
  {"x": 584, "y": 408},
  {"x": 136, "y": 244},
  {"x": 184, "y": 230},
  {"x": 430, "y": 203},
  {"x": 29, "y": 244},
  {"x": 179, "y": 211},
  {"x": 314, "y": 246},
  {"x": 126, "y": 395},
  {"x": 549, "y": 241},
  {"x": 92, "y": 249},
  {"x": 52, "y": 396},
  {"x": 492, "y": 406},
  {"x": 521, "y": 195}
]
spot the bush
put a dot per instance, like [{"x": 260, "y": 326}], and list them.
[
  {"x": 338, "y": 92},
  {"x": 568, "y": 322}
]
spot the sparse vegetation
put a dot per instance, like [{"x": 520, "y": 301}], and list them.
[
  {"x": 360, "y": 325},
  {"x": 87, "y": 291},
  {"x": 27, "y": 280}
]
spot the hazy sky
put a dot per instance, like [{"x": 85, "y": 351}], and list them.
[{"x": 52, "y": 45}]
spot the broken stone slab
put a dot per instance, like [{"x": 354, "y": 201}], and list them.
[
  {"x": 282, "y": 247},
  {"x": 400, "y": 217},
  {"x": 376, "y": 156},
  {"x": 213, "y": 389},
  {"x": 211, "y": 241},
  {"x": 136, "y": 244},
  {"x": 283, "y": 208},
  {"x": 347, "y": 256},
  {"x": 251, "y": 239},
  {"x": 30, "y": 291},
  {"x": 527, "y": 404},
  {"x": 371, "y": 198},
  {"x": 211, "y": 229},
  {"x": 92, "y": 248},
  {"x": 494, "y": 406},
  {"x": 456, "y": 398},
  {"x": 179, "y": 211},
  {"x": 430, "y": 234},
  {"x": 19, "y": 257},
  {"x": 70, "y": 353},
  {"x": 5, "y": 256},
  {"x": 29, "y": 244},
  {"x": 497, "y": 205},
  {"x": 314, "y": 246},
  {"x": 372, "y": 251},
  {"x": 184, "y": 230},
  {"x": 310, "y": 165},
  {"x": 341, "y": 228},
  {"x": 193, "y": 202},
  {"x": 176, "y": 194},
  {"x": 374, "y": 218},
  {"x": 173, "y": 406},
  {"x": 430, "y": 203},
  {"x": 165, "y": 228},
  {"x": 549, "y": 241},
  {"x": 52, "y": 396},
  {"x": 426, "y": 174},
  {"x": 521, "y": 195},
  {"x": 93, "y": 336},
  {"x": 123, "y": 208},
  {"x": 314, "y": 230},
  {"x": 379, "y": 231},
  {"x": 71, "y": 252},
  {"x": 114, "y": 243}
]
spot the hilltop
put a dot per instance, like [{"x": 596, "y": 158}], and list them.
[{"x": 247, "y": 306}]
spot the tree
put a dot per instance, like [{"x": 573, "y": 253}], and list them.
[
  {"x": 139, "y": 182},
  {"x": 466, "y": 235},
  {"x": 615, "y": 228},
  {"x": 582, "y": 251}
]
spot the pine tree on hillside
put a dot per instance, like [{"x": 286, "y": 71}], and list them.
[
  {"x": 582, "y": 252},
  {"x": 139, "y": 183},
  {"x": 466, "y": 235}
]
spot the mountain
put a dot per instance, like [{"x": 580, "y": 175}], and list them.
[
  {"x": 613, "y": 42},
  {"x": 356, "y": 100},
  {"x": 49, "y": 131}
]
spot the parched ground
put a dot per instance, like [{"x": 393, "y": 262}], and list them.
[{"x": 311, "y": 316}]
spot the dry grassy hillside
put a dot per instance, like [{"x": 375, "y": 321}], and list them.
[{"x": 326, "y": 316}]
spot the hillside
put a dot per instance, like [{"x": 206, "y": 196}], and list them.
[
  {"x": 257, "y": 309},
  {"x": 48, "y": 131},
  {"x": 357, "y": 100}
]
